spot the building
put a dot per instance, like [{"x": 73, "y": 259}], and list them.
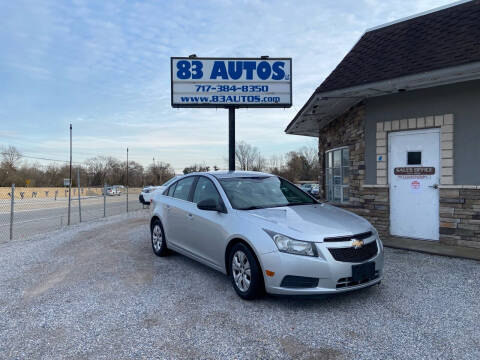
[{"x": 398, "y": 123}]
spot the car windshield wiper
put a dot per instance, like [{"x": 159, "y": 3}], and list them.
[
  {"x": 255, "y": 207},
  {"x": 299, "y": 203},
  {"x": 252, "y": 208}
]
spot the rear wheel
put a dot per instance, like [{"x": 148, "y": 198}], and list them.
[
  {"x": 159, "y": 244},
  {"x": 245, "y": 272}
]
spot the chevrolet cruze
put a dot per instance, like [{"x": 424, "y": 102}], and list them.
[{"x": 266, "y": 234}]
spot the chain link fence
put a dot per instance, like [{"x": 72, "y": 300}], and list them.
[{"x": 29, "y": 211}]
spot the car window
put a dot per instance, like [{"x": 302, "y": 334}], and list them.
[
  {"x": 182, "y": 190},
  {"x": 171, "y": 189},
  {"x": 205, "y": 189}
]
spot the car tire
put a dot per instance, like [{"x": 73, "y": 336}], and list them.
[
  {"x": 245, "y": 272},
  {"x": 159, "y": 244}
]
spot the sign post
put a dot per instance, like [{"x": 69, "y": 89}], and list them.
[
  {"x": 231, "y": 138},
  {"x": 70, "y": 177},
  {"x": 231, "y": 83}
]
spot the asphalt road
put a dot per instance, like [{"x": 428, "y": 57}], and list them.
[
  {"x": 38, "y": 216},
  {"x": 97, "y": 291}
]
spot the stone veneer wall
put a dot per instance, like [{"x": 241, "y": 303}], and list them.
[
  {"x": 371, "y": 202},
  {"x": 460, "y": 215},
  {"x": 459, "y": 204}
]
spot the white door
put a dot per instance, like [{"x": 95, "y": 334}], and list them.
[{"x": 414, "y": 174}]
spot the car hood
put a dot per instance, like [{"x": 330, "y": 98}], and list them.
[{"x": 309, "y": 222}]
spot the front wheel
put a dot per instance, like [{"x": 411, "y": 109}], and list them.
[
  {"x": 245, "y": 272},
  {"x": 159, "y": 245}
]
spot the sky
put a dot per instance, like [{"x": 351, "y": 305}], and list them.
[{"x": 104, "y": 67}]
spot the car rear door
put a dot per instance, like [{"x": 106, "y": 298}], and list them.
[{"x": 178, "y": 208}]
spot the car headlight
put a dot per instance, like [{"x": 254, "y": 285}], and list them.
[{"x": 291, "y": 246}]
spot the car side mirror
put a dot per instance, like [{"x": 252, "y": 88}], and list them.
[{"x": 210, "y": 205}]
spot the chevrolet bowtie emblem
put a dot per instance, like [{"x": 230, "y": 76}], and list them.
[{"x": 357, "y": 243}]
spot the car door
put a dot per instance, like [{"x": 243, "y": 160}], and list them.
[
  {"x": 178, "y": 209},
  {"x": 208, "y": 237}
]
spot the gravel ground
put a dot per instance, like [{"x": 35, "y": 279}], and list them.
[{"x": 97, "y": 291}]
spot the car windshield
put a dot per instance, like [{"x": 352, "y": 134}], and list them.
[{"x": 248, "y": 193}]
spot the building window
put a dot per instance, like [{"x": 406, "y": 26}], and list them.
[
  {"x": 414, "y": 158},
  {"x": 338, "y": 175}
]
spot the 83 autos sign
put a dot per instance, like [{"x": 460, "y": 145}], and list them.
[{"x": 241, "y": 82}]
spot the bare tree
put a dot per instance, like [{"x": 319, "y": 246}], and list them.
[
  {"x": 196, "y": 168},
  {"x": 310, "y": 153},
  {"x": 10, "y": 157},
  {"x": 98, "y": 169},
  {"x": 276, "y": 165},
  {"x": 248, "y": 157},
  {"x": 159, "y": 172}
]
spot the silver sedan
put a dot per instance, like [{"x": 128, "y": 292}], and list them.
[{"x": 266, "y": 234}]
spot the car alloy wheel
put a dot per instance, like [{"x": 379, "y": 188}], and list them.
[
  {"x": 245, "y": 272},
  {"x": 158, "y": 239},
  {"x": 242, "y": 274}
]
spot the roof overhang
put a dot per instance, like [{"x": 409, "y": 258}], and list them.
[{"x": 324, "y": 107}]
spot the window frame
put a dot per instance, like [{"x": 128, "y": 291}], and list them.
[
  {"x": 342, "y": 166},
  {"x": 190, "y": 193},
  {"x": 414, "y": 151},
  {"x": 222, "y": 203},
  {"x": 167, "y": 190}
]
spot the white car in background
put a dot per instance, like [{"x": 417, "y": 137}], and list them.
[
  {"x": 146, "y": 195},
  {"x": 111, "y": 191}
]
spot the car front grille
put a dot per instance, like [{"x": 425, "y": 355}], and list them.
[
  {"x": 355, "y": 255},
  {"x": 361, "y": 236},
  {"x": 347, "y": 282},
  {"x": 291, "y": 281}
]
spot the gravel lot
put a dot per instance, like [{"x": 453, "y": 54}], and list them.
[{"x": 97, "y": 291}]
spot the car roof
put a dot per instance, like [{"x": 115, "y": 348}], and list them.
[{"x": 224, "y": 174}]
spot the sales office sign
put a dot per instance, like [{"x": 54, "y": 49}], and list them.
[{"x": 239, "y": 82}]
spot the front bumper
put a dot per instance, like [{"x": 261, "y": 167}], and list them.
[{"x": 331, "y": 274}]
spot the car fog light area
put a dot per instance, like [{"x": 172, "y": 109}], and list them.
[{"x": 292, "y": 246}]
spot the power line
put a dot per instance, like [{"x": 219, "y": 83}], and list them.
[{"x": 43, "y": 158}]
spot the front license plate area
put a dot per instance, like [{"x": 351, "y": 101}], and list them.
[{"x": 362, "y": 272}]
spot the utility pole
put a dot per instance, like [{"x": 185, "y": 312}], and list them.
[
  {"x": 127, "y": 179},
  {"x": 70, "y": 178}
]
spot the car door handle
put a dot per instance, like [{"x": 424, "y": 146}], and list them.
[
  {"x": 190, "y": 216},
  {"x": 434, "y": 186}
]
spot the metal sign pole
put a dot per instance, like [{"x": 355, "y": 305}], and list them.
[
  {"x": 78, "y": 186},
  {"x": 70, "y": 178},
  {"x": 127, "y": 180},
  {"x": 12, "y": 209},
  {"x": 231, "y": 138},
  {"x": 104, "y": 200}
]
